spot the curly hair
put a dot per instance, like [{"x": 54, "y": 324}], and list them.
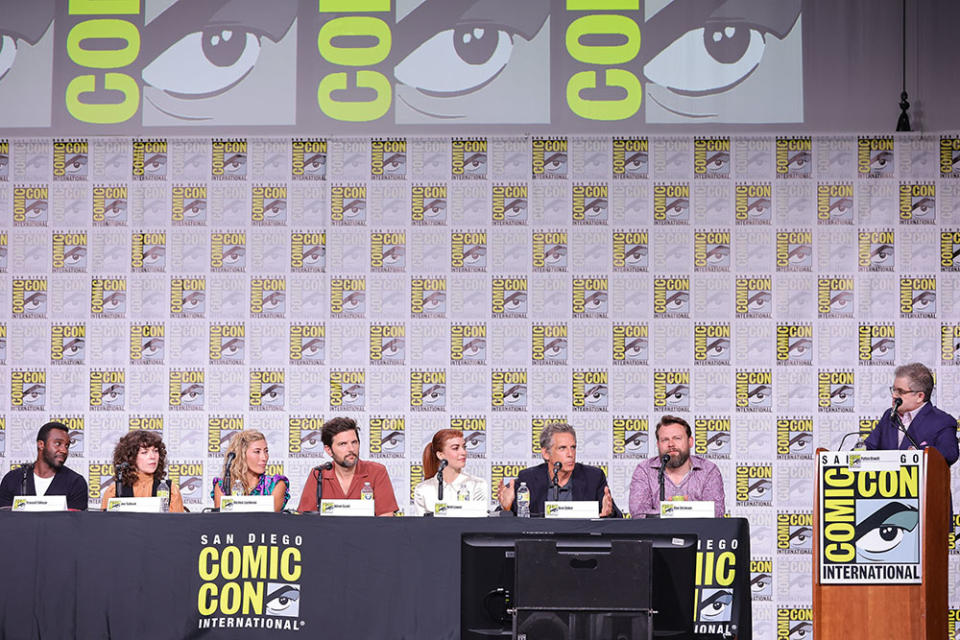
[
  {"x": 129, "y": 446},
  {"x": 239, "y": 443}
]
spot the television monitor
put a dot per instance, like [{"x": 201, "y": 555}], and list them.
[{"x": 487, "y": 562}]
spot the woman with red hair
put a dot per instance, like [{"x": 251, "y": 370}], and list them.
[{"x": 447, "y": 445}]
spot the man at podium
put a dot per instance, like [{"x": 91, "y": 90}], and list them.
[{"x": 922, "y": 423}]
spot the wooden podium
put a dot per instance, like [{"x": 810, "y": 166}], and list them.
[{"x": 874, "y": 608}]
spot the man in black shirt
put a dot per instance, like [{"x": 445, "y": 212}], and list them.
[{"x": 48, "y": 473}]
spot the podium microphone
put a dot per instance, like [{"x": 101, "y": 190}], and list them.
[
  {"x": 227, "y": 484},
  {"x": 664, "y": 459},
  {"x": 26, "y": 472},
  {"x": 326, "y": 466},
  {"x": 898, "y": 423},
  {"x": 440, "y": 467},
  {"x": 121, "y": 469},
  {"x": 556, "y": 479}
]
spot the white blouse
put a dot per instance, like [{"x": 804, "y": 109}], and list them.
[{"x": 464, "y": 486}]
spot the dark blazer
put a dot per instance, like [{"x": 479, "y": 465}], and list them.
[
  {"x": 588, "y": 484},
  {"x": 66, "y": 482},
  {"x": 931, "y": 427}
]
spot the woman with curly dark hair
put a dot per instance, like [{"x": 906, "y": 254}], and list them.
[{"x": 143, "y": 457}]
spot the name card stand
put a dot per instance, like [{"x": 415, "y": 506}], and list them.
[
  {"x": 39, "y": 503},
  {"x": 346, "y": 508},
  {"x": 465, "y": 509},
  {"x": 246, "y": 504},
  {"x": 687, "y": 509},
  {"x": 134, "y": 505},
  {"x": 582, "y": 509}
]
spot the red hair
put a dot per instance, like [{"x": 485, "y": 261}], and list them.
[{"x": 440, "y": 438}]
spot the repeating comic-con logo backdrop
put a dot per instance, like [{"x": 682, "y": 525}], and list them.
[
  {"x": 138, "y": 67},
  {"x": 763, "y": 287}
]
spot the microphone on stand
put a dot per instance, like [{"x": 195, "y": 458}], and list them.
[
  {"x": 556, "y": 479},
  {"x": 856, "y": 445},
  {"x": 664, "y": 459},
  {"x": 326, "y": 466},
  {"x": 898, "y": 423},
  {"x": 227, "y": 485},
  {"x": 443, "y": 465},
  {"x": 118, "y": 476},
  {"x": 27, "y": 468}
]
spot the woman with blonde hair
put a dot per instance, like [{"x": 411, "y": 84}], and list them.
[
  {"x": 248, "y": 473},
  {"x": 142, "y": 458},
  {"x": 447, "y": 446}
]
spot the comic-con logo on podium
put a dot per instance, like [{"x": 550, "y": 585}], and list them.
[
  {"x": 631, "y": 158},
  {"x": 228, "y": 159},
  {"x": 468, "y": 343},
  {"x": 428, "y": 390},
  {"x": 249, "y": 580},
  {"x": 875, "y": 250},
  {"x": 468, "y": 159},
  {"x": 794, "y": 157},
  {"x": 309, "y": 161},
  {"x": 753, "y": 297},
  {"x": 188, "y": 205},
  {"x": 876, "y": 344},
  {"x": 835, "y": 203},
  {"x": 711, "y": 157},
  {"x": 550, "y": 158},
  {"x": 509, "y": 204},
  {"x": 870, "y": 524},
  {"x": 149, "y": 160},
  {"x": 711, "y": 437},
  {"x": 388, "y": 159},
  {"x": 753, "y": 203},
  {"x": 428, "y": 205},
  {"x": 631, "y": 436},
  {"x": 671, "y": 390},
  {"x": 875, "y": 157},
  {"x": 918, "y": 203},
  {"x": 70, "y": 160},
  {"x": 631, "y": 250},
  {"x": 918, "y": 297},
  {"x": 835, "y": 391},
  {"x": 794, "y": 344}
]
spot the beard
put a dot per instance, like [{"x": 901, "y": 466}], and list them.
[
  {"x": 679, "y": 460},
  {"x": 51, "y": 459},
  {"x": 348, "y": 461}
]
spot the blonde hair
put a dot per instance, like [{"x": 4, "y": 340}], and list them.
[{"x": 239, "y": 444}]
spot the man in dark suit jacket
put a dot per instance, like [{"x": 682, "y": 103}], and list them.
[
  {"x": 53, "y": 447},
  {"x": 575, "y": 481},
  {"x": 929, "y": 426}
]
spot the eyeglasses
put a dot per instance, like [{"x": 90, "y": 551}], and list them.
[{"x": 895, "y": 392}]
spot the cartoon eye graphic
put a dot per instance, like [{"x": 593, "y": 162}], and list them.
[
  {"x": 885, "y": 529},
  {"x": 392, "y": 348},
  {"x": 636, "y": 163},
  {"x": 718, "y": 254},
  {"x": 800, "y": 631},
  {"x": 516, "y": 301},
  {"x": 758, "y": 301},
  {"x": 759, "y": 582},
  {"x": 555, "y": 254},
  {"x": 34, "y": 302},
  {"x": 152, "y": 347},
  {"x": 595, "y": 301},
  {"x": 677, "y": 301},
  {"x": 313, "y": 348},
  {"x": 881, "y": 254},
  {"x": 232, "y": 348},
  {"x": 234, "y": 255},
  {"x": 517, "y": 394},
  {"x": 115, "y": 301},
  {"x": 192, "y": 394},
  {"x": 34, "y": 394},
  {"x": 596, "y": 394},
  {"x": 393, "y": 255},
  {"x": 800, "y": 347},
  {"x": 155, "y": 163},
  {"x": 36, "y": 210},
  {"x": 759, "y": 489},
  {"x": 718, "y": 162},
  {"x": 841, "y": 301},
  {"x": 456, "y": 61},
  {"x": 718, "y": 441},
  {"x": 882, "y": 348},
  {"x": 841, "y": 207},
  {"x": 711, "y": 59},
  {"x": 315, "y": 164},
  {"x": 435, "y": 301},
  {"x": 355, "y": 209},
  {"x": 193, "y": 301},
  {"x": 393, "y": 441},
  {"x": 112, "y": 394},
  {"x": 153, "y": 256},
  {"x": 395, "y": 164},
  {"x": 235, "y": 163},
  {"x": 718, "y": 348},
  {"x": 475, "y": 348},
  {"x": 475, "y": 254},
  {"x": 799, "y": 253},
  {"x": 842, "y": 394},
  {"x": 275, "y": 209},
  {"x": 218, "y": 58},
  {"x": 799, "y": 160},
  {"x": 75, "y": 163},
  {"x": 678, "y": 394},
  {"x": 636, "y": 255},
  {"x": 283, "y": 601},
  {"x": 353, "y": 394},
  {"x": 195, "y": 209},
  {"x": 759, "y": 394},
  {"x": 596, "y": 208},
  {"x": 555, "y": 348},
  {"x": 75, "y": 256},
  {"x": 555, "y": 163},
  {"x": 636, "y": 348},
  {"x": 758, "y": 207},
  {"x": 636, "y": 441},
  {"x": 717, "y": 606},
  {"x": 474, "y": 441},
  {"x": 273, "y": 394},
  {"x": 880, "y": 161},
  {"x": 476, "y": 163},
  {"x": 435, "y": 208},
  {"x": 924, "y": 300},
  {"x": 800, "y": 442},
  {"x": 678, "y": 208},
  {"x": 274, "y": 301},
  {"x": 516, "y": 208}
]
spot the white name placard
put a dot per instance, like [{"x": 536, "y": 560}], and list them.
[
  {"x": 466, "y": 509},
  {"x": 346, "y": 507},
  {"x": 39, "y": 503},
  {"x": 134, "y": 505},
  {"x": 687, "y": 509},
  {"x": 573, "y": 509},
  {"x": 247, "y": 504}
]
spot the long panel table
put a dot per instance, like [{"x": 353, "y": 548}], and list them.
[{"x": 115, "y": 575}]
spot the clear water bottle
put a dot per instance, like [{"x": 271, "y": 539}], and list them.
[
  {"x": 367, "y": 492},
  {"x": 523, "y": 501},
  {"x": 163, "y": 492}
]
